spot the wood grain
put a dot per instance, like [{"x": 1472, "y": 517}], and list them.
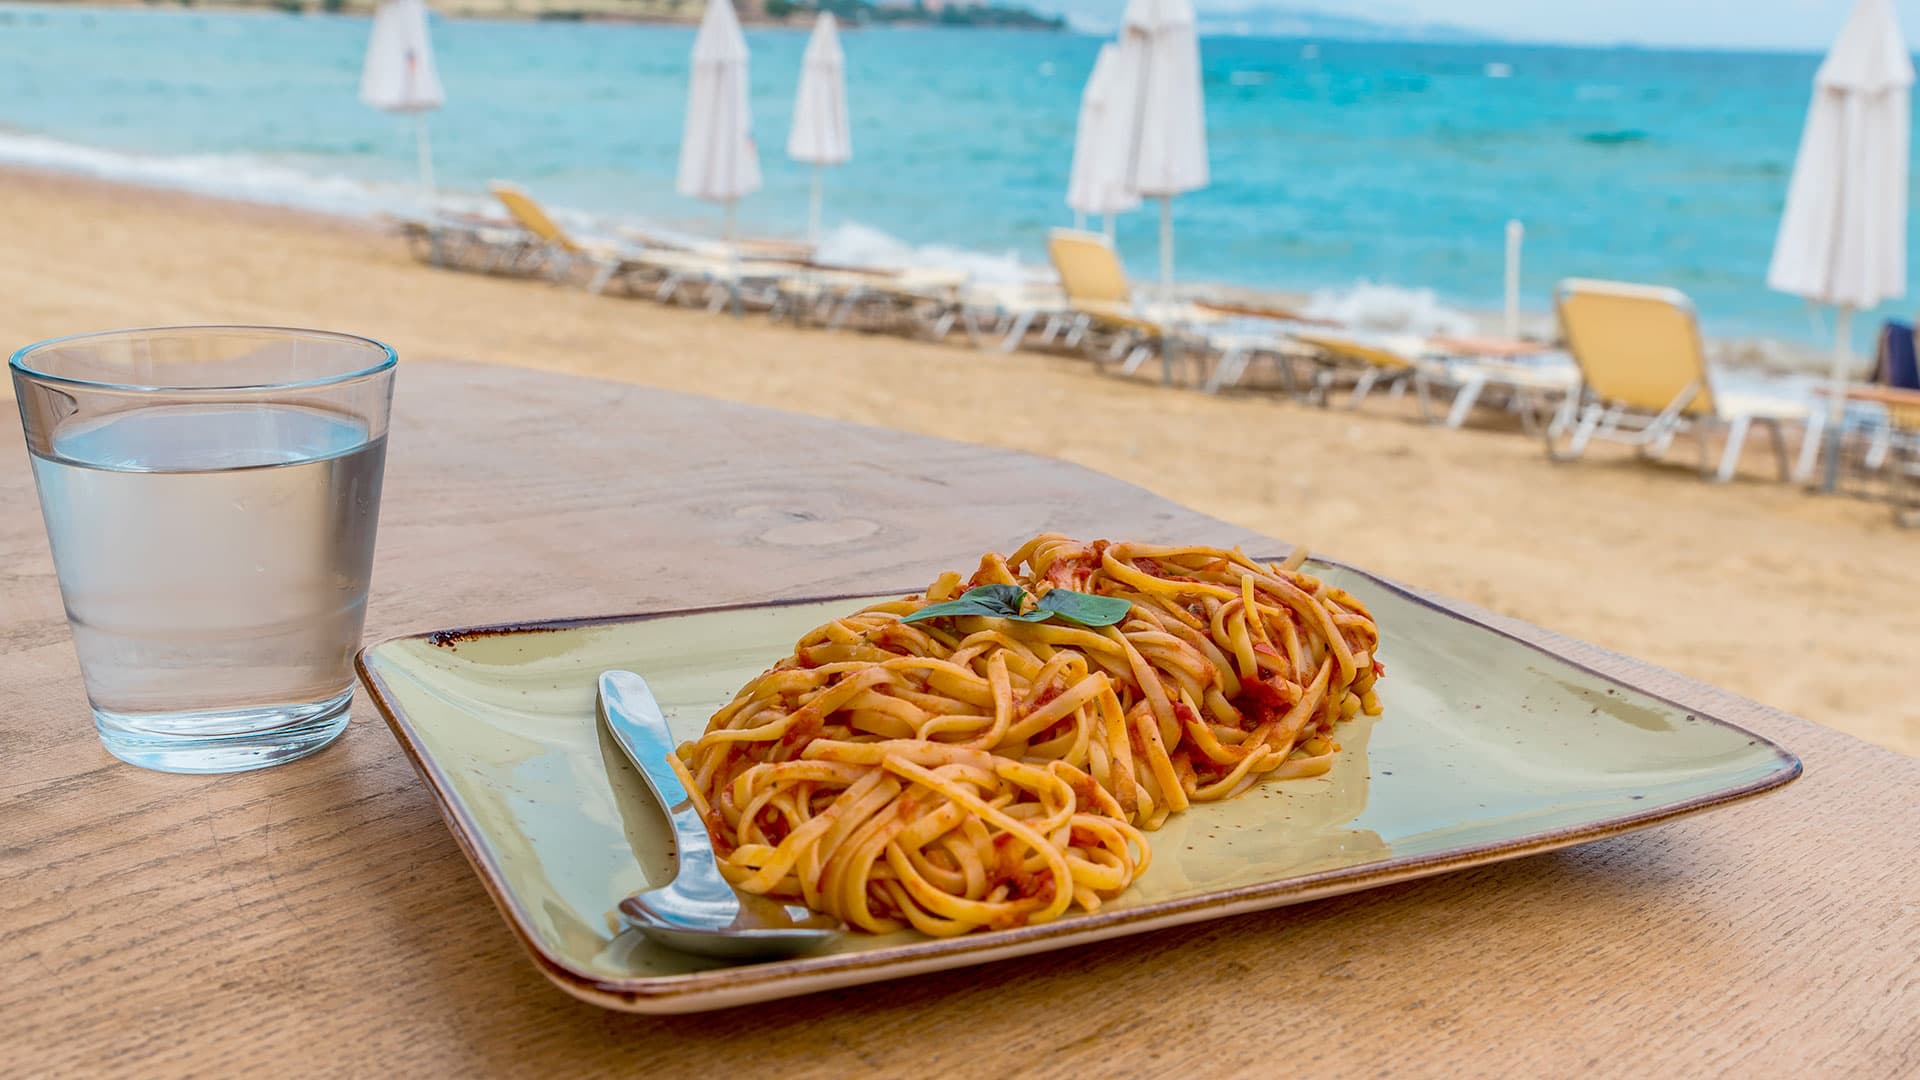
[{"x": 317, "y": 919}]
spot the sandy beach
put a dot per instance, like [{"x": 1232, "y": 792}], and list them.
[{"x": 1803, "y": 603}]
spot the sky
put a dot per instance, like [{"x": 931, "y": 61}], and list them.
[
  {"x": 1797, "y": 25},
  {"x": 1808, "y": 25}
]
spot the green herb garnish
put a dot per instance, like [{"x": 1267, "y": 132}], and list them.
[{"x": 1008, "y": 602}]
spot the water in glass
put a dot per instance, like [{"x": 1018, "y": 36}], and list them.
[{"x": 214, "y": 553}]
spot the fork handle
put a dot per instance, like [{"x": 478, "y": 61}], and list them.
[{"x": 639, "y": 726}]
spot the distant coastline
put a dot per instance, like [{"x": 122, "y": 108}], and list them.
[{"x": 854, "y": 13}]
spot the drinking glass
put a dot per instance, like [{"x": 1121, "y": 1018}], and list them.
[{"x": 210, "y": 495}]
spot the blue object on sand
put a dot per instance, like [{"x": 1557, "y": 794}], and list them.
[{"x": 1897, "y": 364}]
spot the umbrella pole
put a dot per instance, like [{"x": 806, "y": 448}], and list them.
[
  {"x": 813, "y": 210},
  {"x": 424, "y": 148},
  {"x": 1110, "y": 226},
  {"x": 1837, "y": 394},
  {"x": 1080, "y": 220},
  {"x": 1514, "y": 232},
  {"x": 1170, "y": 344},
  {"x": 733, "y": 257},
  {"x": 1166, "y": 248}
]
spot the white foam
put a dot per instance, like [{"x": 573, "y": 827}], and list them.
[
  {"x": 861, "y": 245},
  {"x": 231, "y": 176},
  {"x": 1390, "y": 308},
  {"x": 259, "y": 180}
]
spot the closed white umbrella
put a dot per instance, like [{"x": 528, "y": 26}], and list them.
[
  {"x": 718, "y": 161},
  {"x": 1097, "y": 183},
  {"x": 1159, "y": 60},
  {"x": 1842, "y": 239},
  {"x": 399, "y": 75},
  {"x": 819, "y": 136}
]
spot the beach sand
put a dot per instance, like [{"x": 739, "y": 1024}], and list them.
[{"x": 1808, "y": 604}]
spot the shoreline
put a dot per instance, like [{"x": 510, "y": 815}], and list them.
[
  {"x": 522, "y": 11},
  {"x": 1761, "y": 356},
  {"x": 1714, "y": 581}
]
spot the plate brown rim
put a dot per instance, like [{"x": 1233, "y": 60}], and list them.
[{"x": 659, "y": 989}]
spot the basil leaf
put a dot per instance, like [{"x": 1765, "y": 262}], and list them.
[
  {"x": 1000, "y": 601},
  {"x": 1085, "y": 608},
  {"x": 951, "y": 608},
  {"x": 1005, "y": 602},
  {"x": 1008, "y": 599}
]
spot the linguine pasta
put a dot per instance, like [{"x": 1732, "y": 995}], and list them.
[{"x": 966, "y": 772}]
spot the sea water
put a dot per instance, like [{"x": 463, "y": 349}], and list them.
[
  {"x": 214, "y": 560},
  {"x": 1333, "y": 162}
]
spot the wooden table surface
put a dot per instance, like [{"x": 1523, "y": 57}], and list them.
[{"x": 317, "y": 918}]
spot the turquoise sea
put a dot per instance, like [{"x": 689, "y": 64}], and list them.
[{"x": 1334, "y": 163}]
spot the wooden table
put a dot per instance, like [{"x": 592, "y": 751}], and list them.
[{"x": 317, "y": 918}]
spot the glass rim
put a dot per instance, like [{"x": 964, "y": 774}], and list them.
[{"x": 19, "y": 361}]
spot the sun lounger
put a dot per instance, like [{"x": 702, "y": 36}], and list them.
[
  {"x": 1895, "y": 368},
  {"x": 671, "y": 273},
  {"x": 1238, "y": 343},
  {"x": 1003, "y": 313},
  {"x": 715, "y": 280},
  {"x": 1529, "y": 386},
  {"x": 1471, "y": 372},
  {"x": 1267, "y": 312},
  {"x": 1102, "y": 305},
  {"x": 752, "y": 248},
  {"x": 772, "y": 249},
  {"x": 920, "y": 301},
  {"x": 1894, "y": 448},
  {"x": 1896, "y": 445},
  {"x": 1094, "y": 281},
  {"x": 928, "y": 301},
  {"x": 607, "y": 259},
  {"x": 1376, "y": 359},
  {"x": 822, "y": 294},
  {"x": 1645, "y": 377},
  {"x": 1903, "y": 424},
  {"x": 470, "y": 242},
  {"x": 1875, "y": 411}
]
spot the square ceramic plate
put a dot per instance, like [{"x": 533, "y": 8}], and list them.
[{"x": 1488, "y": 749}]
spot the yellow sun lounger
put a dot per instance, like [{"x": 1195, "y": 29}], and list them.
[
  {"x": 1093, "y": 279},
  {"x": 667, "y": 270},
  {"x": 1099, "y": 297},
  {"x": 1380, "y": 359},
  {"x": 608, "y": 259},
  {"x": 1645, "y": 377}
]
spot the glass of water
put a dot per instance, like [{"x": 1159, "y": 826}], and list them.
[{"x": 210, "y": 493}]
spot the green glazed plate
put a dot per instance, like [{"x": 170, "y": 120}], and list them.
[{"x": 1488, "y": 749}]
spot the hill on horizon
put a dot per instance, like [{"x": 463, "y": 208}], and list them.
[{"x": 1255, "y": 19}]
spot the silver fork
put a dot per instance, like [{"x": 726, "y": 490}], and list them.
[{"x": 698, "y": 911}]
